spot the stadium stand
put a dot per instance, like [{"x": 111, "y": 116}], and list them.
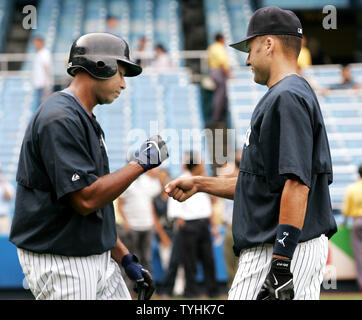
[
  {"x": 5, "y": 7},
  {"x": 16, "y": 108},
  {"x": 229, "y": 17},
  {"x": 158, "y": 21}
]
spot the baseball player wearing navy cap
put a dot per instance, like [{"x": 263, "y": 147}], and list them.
[
  {"x": 282, "y": 215},
  {"x": 64, "y": 224}
]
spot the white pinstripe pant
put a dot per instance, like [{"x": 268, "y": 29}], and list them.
[
  {"x": 308, "y": 265},
  {"x": 56, "y": 277}
]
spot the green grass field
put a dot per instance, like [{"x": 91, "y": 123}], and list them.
[{"x": 342, "y": 296}]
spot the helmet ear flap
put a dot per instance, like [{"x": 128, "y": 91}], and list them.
[
  {"x": 105, "y": 68},
  {"x": 100, "y": 64}
]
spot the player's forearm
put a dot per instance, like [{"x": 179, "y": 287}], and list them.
[
  {"x": 105, "y": 189},
  {"x": 220, "y": 187},
  {"x": 119, "y": 251},
  {"x": 293, "y": 203},
  {"x": 293, "y": 206}
]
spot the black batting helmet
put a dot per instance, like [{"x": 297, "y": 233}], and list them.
[{"x": 98, "y": 54}]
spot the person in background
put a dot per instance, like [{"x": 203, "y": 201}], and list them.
[
  {"x": 305, "y": 57},
  {"x": 141, "y": 49},
  {"x": 352, "y": 207},
  {"x": 194, "y": 218},
  {"x": 347, "y": 80},
  {"x": 346, "y": 83},
  {"x": 111, "y": 25},
  {"x": 7, "y": 192},
  {"x": 136, "y": 209},
  {"x": 163, "y": 225},
  {"x": 162, "y": 60},
  {"x": 42, "y": 74},
  {"x": 218, "y": 62}
]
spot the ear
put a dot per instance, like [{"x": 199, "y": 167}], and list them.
[{"x": 269, "y": 45}]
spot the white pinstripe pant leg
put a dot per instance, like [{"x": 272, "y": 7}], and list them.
[
  {"x": 55, "y": 277},
  {"x": 308, "y": 265},
  {"x": 113, "y": 286},
  {"x": 253, "y": 267}
]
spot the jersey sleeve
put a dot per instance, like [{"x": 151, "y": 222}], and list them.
[
  {"x": 64, "y": 149},
  {"x": 286, "y": 140}
]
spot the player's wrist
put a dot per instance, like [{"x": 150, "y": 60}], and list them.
[
  {"x": 197, "y": 183},
  {"x": 136, "y": 166},
  {"x": 276, "y": 256},
  {"x": 286, "y": 241}
]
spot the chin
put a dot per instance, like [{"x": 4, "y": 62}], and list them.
[
  {"x": 260, "y": 81},
  {"x": 106, "y": 101}
]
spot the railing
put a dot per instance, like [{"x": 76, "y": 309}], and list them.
[{"x": 7, "y": 58}]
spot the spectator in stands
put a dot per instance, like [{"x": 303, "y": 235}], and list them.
[
  {"x": 42, "y": 75},
  {"x": 111, "y": 25},
  {"x": 305, "y": 57},
  {"x": 6, "y": 195},
  {"x": 346, "y": 83},
  {"x": 141, "y": 49},
  {"x": 352, "y": 207},
  {"x": 347, "y": 80},
  {"x": 162, "y": 60},
  {"x": 194, "y": 218},
  {"x": 219, "y": 72}
]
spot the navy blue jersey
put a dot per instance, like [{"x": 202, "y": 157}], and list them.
[
  {"x": 63, "y": 151},
  {"x": 286, "y": 138}
]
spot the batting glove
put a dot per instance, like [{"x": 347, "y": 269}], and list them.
[
  {"x": 152, "y": 153},
  {"x": 144, "y": 284},
  {"x": 278, "y": 284}
]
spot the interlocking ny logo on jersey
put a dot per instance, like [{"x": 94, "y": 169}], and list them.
[
  {"x": 281, "y": 241},
  {"x": 75, "y": 177}
]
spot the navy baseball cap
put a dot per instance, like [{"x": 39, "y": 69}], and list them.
[{"x": 270, "y": 21}]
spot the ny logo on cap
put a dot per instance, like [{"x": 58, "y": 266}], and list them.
[{"x": 300, "y": 30}]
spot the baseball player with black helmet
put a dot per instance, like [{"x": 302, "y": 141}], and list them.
[
  {"x": 64, "y": 224},
  {"x": 282, "y": 216}
]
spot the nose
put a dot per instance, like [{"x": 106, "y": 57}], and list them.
[
  {"x": 123, "y": 83},
  {"x": 247, "y": 63}
]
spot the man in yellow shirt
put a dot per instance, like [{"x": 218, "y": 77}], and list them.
[
  {"x": 353, "y": 208},
  {"x": 305, "y": 57},
  {"x": 218, "y": 62}
]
